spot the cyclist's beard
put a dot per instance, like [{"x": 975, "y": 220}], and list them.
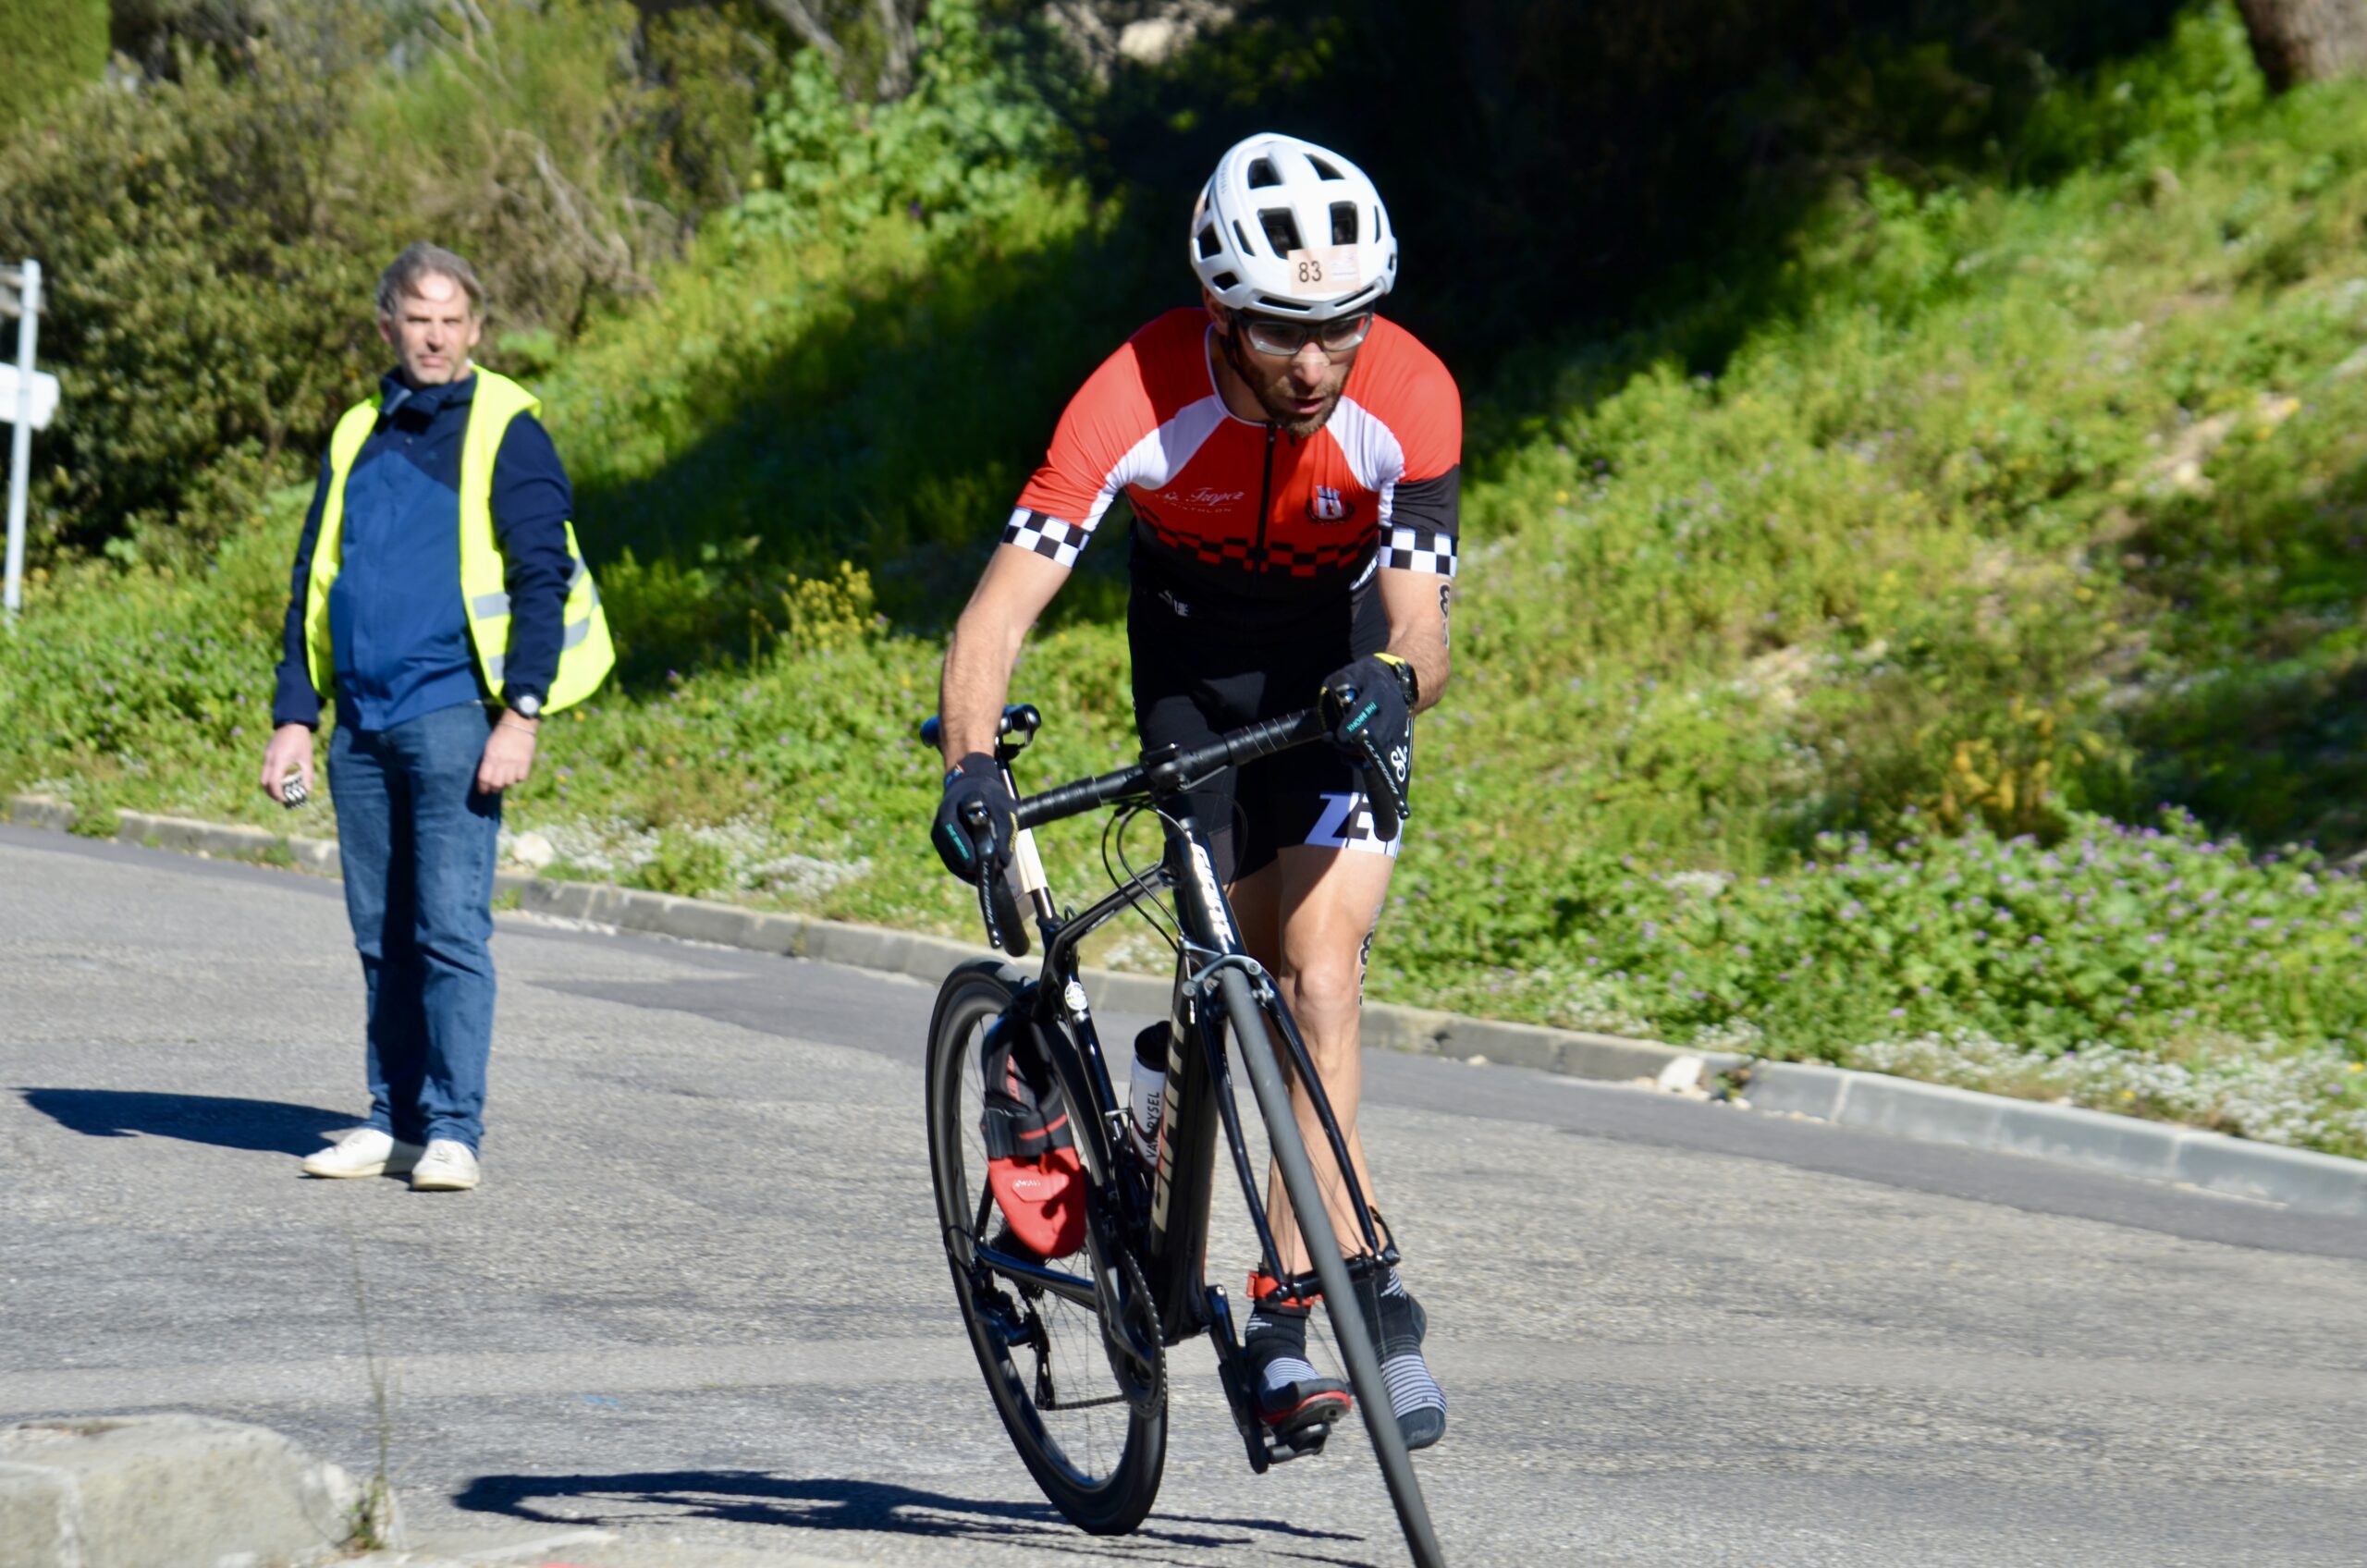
[{"x": 1289, "y": 420}]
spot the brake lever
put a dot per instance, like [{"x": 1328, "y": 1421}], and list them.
[
  {"x": 1381, "y": 803},
  {"x": 1387, "y": 808},
  {"x": 1006, "y": 930},
  {"x": 978, "y": 823}
]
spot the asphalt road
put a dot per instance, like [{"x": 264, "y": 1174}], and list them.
[{"x": 700, "y": 1300}]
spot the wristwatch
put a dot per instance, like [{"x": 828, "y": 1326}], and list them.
[{"x": 525, "y": 705}]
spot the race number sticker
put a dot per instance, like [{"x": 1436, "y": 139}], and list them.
[{"x": 1332, "y": 264}]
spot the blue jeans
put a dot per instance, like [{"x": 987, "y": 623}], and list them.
[{"x": 418, "y": 843}]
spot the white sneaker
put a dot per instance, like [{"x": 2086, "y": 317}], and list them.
[
  {"x": 364, "y": 1151},
  {"x": 450, "y": 1166}
]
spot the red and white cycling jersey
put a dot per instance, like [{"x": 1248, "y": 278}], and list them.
[{"x": 1235, "y": 505}]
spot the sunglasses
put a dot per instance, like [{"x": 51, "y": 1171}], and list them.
[{"x": 1283, "y": 340}]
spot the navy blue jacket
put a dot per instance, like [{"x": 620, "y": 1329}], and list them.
[{"x": 398, "y": 632}]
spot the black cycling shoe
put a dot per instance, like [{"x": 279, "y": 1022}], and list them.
[{"x": 1297, "y": 1404}]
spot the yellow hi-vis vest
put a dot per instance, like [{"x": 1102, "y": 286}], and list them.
[{"x": 585, "y": 653}]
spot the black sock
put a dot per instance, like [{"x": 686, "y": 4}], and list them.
[
  {"x": 1398, "y": 1324},
  {"x": 1276, "y": 1342}
]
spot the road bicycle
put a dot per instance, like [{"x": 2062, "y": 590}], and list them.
[{"x": 1074, "y": 1348}]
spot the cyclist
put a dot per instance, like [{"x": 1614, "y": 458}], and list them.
[{"x": 1292, "y": 461}]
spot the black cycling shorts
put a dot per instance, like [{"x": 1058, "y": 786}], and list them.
[{"x": 1205, "y": 664}]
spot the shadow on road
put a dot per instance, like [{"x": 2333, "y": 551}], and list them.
[
  {"x": 750, "y": 1497},
  {"x": 266, "y": 1126}
]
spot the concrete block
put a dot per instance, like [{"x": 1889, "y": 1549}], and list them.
[
  {"x": 781, "y": 934},
  {"x": 41, "y": 810},
  {"x": 1419, "y": 1030},
  {"x": 541, "y": 897},
  {"x": 604, "y": 902},
  {"x": 637, "y": 910},
  {"x": 1929, "y": 1113},
  {"x": 187, "y": 837},
  {"x": 1784, "y": 1087},
  {"x": 1586, "y": 1055},
  {"x": 1109, "y": 991},
  {"x": 1514, "y": 1045},
  {"x": 563, "y": 900},
  {"x": 2302, "y": 1179},
  {"x": 2068, "y": 1136},
  {"x": 863, "y": 947},
  {"x": 931, "y": 958},
  {"x": 319, "y": 855},
  {"x": 701, "y": 920},
  {"x": 163, "y": 1491}
]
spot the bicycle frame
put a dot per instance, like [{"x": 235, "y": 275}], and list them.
[{"x": 1165, "y": 1221}]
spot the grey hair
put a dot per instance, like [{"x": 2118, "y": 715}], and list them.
[{"x": 419, "y": 260}]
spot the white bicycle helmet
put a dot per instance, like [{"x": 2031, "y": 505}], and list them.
[{"x": 1287, "y": 228}]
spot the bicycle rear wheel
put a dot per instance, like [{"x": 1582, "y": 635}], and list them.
[
  {"x": 1247, "y": 1017},
  {"x": 1096, "y": 1446}
]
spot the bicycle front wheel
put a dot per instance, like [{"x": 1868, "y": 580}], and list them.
[
  {"x": 1247, "y": 1016},
  {"x": 1096, "y": 1446}
]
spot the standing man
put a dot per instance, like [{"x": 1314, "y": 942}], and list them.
[
  {"x": 439, "y": 597},
  {"x": 1292, "y": 461}
]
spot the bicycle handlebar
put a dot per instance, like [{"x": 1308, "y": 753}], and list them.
[{"x": 1175, "y": 768}]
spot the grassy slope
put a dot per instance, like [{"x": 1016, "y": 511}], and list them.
[{"x": 2008, "y": 510}]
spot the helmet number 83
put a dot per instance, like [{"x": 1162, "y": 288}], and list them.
[{"x": 1310, "y": 271}]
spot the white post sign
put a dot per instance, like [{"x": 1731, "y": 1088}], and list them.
[
  {"x": 44, "y": 399},
  {"x": 27, "y": 406}
]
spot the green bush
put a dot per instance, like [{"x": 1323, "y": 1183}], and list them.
[
  {"x": 213, "y": 236},
  {"x": 201, "y": 301},
  {"x": 151, "y": 686},
  {"x": 55, "y": 48},
  {"x": 563, "y": 147},
  {"x": 974, "y": 140},
  {"x": 2123, "y": 965}
]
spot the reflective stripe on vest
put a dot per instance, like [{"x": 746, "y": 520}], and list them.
[{"x": 586, "y": 653}]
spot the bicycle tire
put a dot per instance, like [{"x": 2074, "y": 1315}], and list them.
[
  {"x": 1247, "y": 1017},
  {"x": 1109, "y": 1490}
]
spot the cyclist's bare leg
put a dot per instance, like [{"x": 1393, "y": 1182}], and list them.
[{"x": 1305, "y": 918}]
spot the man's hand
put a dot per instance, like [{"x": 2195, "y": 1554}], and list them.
[
  {"x": 509, "y": 754},
  {"x": 1369, "y": 707},
  {"x": 291, "y": 751},
  {"x": 976, "y": 782}
]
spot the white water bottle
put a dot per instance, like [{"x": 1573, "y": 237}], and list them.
[{"x": 1146, "y": 1088}]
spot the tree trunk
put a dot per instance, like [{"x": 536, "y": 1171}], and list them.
[
  {"x": 2299, "y": 41},
  {"x": 899, "y": 43}
]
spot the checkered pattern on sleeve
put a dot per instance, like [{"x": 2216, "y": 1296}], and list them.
[
  {"x": 1419, "y": 549},
  {"x": 1056, "y": 541}
]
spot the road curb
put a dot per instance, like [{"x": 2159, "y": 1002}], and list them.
[
  {"x": 115, "y": 1490},
  {"x": 2298, "y": 1178}
]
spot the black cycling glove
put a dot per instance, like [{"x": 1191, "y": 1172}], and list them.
[
  {"x": 1369, "y": 705},
  {"x": 976, "y": 779}
]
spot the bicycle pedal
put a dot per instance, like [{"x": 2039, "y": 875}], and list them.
[{"x": 1283, "y": 1447}]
